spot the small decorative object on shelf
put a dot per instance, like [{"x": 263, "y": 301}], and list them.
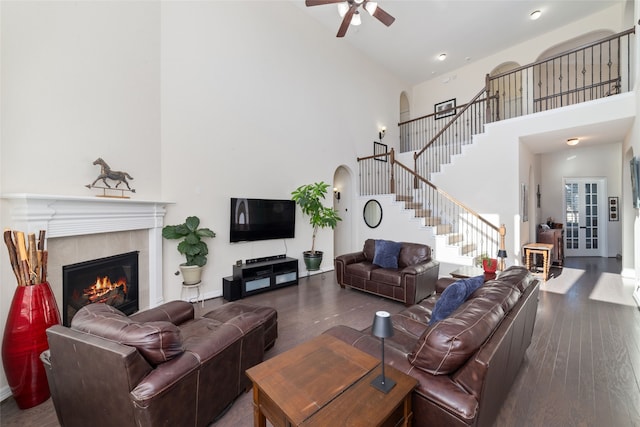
[
  {"x": 33, "y": 310},
  {"x": 107, "y": 173}
]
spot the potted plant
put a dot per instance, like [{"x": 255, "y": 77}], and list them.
[
  {"x": 490, "y": 265},
  {"x": 309, "y": 197},
  {"x": 192, "y": 247}
]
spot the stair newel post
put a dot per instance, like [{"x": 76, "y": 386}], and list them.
[
  {"x": 487, "y": 91},
  {"x": 392, "y": 160},
  {"x": 415, "y": 169},
  {"x": 502, "y": 250}
]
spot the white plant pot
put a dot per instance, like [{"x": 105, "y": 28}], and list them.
[{"x": 191, "y": 274}]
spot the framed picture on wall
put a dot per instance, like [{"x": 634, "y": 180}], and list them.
[
  {"x": 613, "y": 209},
  {"x": 445, "y": 109},
  {"x": 379, "y": 148}
]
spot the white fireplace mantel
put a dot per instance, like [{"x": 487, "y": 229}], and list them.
[{"x": 66, "y": 216}]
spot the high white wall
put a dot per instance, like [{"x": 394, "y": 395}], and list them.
[
  {"x": 254, "y": 105},
  {"x": 630, "y": 215},
  {"x": 80, "y": 80},
  {"x": 199, "y": 101}
]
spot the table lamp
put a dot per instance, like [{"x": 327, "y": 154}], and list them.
[{"x": 382, "y": 328}]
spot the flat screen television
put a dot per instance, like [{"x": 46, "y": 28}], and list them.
[
  {"x": 635, "y": 181},
  {"x": 261, "y": 219}
]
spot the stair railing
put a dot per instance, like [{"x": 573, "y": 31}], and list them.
[
  {"x": 468, "y": 121},
  {"x": 595, "y": 70},
  {"x": 383, "y": 174}
]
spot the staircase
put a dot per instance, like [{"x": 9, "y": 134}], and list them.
[{"x": 456, "y": 233}]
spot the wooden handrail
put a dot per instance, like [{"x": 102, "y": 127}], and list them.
[
  {"x": 375, "y": 156},
  {"x": 433, "y": 114},
  {"x": 462, "y": 110},
  {"x": 445, "y": 194}
]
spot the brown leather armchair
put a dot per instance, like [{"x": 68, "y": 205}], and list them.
[{"x": 160, "y": 367}]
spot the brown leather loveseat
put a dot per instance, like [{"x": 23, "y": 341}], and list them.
[
  {"x": 159, "y": 367},
  {"x": 465, "y": 363},
  {"x": 410, "y": 281}
]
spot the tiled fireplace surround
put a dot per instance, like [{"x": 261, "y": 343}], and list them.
[{"x": 84, "y": 228}]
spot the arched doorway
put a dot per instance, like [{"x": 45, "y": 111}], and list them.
[
  {"x": 509, "y": 90},
  {"x": 344, "y": 233},
  {"x": 405, "y": 115}
]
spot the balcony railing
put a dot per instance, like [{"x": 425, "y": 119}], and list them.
[{"x": 593, "y": 71}]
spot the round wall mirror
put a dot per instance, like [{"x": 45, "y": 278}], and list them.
[{"x": 372, "y": 213}]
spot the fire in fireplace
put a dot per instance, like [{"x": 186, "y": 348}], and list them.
[{"x": 112, "y": 280}]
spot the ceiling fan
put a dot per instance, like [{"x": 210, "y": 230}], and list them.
[{"x": 352, "y": 13}]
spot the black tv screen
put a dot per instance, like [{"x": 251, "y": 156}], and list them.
[{"x": 261, "y": 219}]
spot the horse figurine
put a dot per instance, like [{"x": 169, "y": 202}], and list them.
[{"x": 107, "y": 173}]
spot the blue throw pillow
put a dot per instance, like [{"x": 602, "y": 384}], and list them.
[
  {"x": 453, "y": 296},
  {"x": 386, "y": 254}
]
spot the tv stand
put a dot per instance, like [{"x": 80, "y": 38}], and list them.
[{"x": 265, "y": 276}]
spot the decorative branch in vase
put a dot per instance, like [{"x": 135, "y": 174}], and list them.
[{"x": 33, "y": 310}]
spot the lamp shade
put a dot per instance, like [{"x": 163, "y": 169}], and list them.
[
  {"x": 382, "y": 327},
  {"x": 502, "y": 253}
]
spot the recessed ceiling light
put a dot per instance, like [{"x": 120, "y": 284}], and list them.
[
  {"x": 573, "y": 141},
  {"x": 442, "y": 56},
  {"x": 535, "y": 15}
]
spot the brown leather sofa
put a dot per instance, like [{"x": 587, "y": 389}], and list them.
[
  {"x": 466, "y": 363},
  {"x": 413, "y": 280},
  {"x": 159, "y": 367}
]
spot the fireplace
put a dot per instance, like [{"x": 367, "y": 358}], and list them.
[{"x": 112, "y": 280}]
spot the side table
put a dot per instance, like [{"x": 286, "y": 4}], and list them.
[
  {"x": 467, "y": 271},
  {"x": 543, "y": 249}
]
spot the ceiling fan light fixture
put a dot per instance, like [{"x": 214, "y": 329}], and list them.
[
  {"x": 343, "y": 8},
  {"x": 573, "y": 141},
  {"x": 358, "y": 1},
  {"x": 371, "y": 7},
  {"x": 355, "y": 19},
  {"x": 535, "y": 15}
]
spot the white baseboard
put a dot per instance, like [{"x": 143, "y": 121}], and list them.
[
  {"x": 628, "y": 273},
  {"x": 5, "y": 393}
]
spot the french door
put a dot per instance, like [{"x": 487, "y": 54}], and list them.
[{"x": 584, "y": 229}]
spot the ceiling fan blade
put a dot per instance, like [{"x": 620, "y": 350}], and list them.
[
  {"x": 383, "y": 16},
  {"x": 321, "y": 2},
  {"x": 346, "y": 21}
]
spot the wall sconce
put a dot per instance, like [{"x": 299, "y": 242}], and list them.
[
  {"x": 381, "y": 132},
  {"x": 336, "y": 193}
]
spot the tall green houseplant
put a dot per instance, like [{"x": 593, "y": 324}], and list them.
[{"x": 310, "y": 197}]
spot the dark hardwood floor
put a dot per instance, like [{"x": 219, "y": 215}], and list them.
[{"x": 582, "y": 368}]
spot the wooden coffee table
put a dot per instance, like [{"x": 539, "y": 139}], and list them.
[{"x": 326, "y": 382}]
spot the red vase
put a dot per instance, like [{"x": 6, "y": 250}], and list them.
[{"x": 33, "y": 309}]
